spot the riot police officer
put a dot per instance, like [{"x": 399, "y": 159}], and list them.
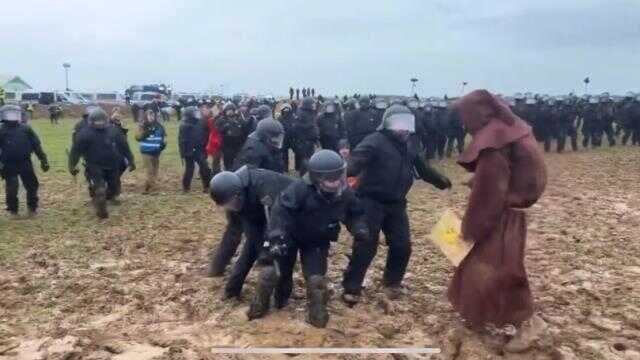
[
  {"x": 102, "y": 147},
  {"x": 331, "y": 126},
  {"x": 361, "y": 122},
  {"x": 192, "y": 138},
  {"x": 233, "y": 130},
  {"x": 17, "y": 143},
  {"x": 305, "y": 134},
  {"x": 385, "y": 163},
  {"x": 306, "y": 219},
  {"x": 248, "y": 193}
]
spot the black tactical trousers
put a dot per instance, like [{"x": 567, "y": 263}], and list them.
[
  {"x": 313, "y": 260},
  {"x": 303, "y": 150},
  {"x": 441, "y": 143},
  {"x": 229, "y": 154},
  {"x": 329, "y": 143},
  {"x": 228, "y": 246},
  {"x": 458, "y": 139},
  {"x": 393, "y": 220},
  {"x": 29, "y": 181},
  {"x": 189, "y": 168},
  {"x": 251, "y": 250},
  {"x": 429, "y": 144},
  {"x": 103, "y": 181},
  {"x": 563, "y": 133}
]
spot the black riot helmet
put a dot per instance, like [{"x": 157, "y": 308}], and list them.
[
  {"x": 364, "y": 102},
  {"x": 328, "y": 172},
  {"x": 307, "y": 104},
  {"x": 11, "y": 114},
  {"x": 229, "y": 109},
  {"x": 400, "y": 121},
  {"x": 191, "y": 114},
  {"x": 330, "y": 107},
  {"x": 88, "y": 109},
  {"x": 271, "y": 132},
  {"x": 225, "y": 190},
  {"x": 98, "y": 119},
  {"x": 263, "y": 112}
]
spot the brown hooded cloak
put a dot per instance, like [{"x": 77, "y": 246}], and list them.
[{"x": 490, "y": 285}]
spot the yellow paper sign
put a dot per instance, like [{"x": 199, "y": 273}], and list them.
[{"x": 446, "y": 235}]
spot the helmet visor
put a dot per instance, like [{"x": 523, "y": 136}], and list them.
[
  {"x": 403, "y": 122},
  {"x": 11, "y": 115},
  {"x": 381, "y": 105},
  {"x": 332, "y": 182}
]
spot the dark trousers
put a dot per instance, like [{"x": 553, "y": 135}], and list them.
[
  {"x": 189, "y": 168},
  {"x": 458, "y": 139},
  {"x": 429, "y": 144},
  {"x": 103, "y": 181},
  {"x": 314, "y": 262},
  {"x": 229, "y": 154},
  {"x": 303, "y": 150},
  {"x": 564, "y": 132},
  {"x": 392, "y": 219},
  {"x": 440, "y": 143},
  {"x": 228, "y": 245},
  {"x": 251, "y": 250},
  {"x": 29, "y": 181},
  {"x": 329, "y": 143}
]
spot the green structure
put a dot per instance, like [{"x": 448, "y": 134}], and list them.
[{"x": 12, "y": 83}]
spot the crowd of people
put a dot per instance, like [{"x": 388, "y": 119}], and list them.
[{"x": 356, "y": 160}]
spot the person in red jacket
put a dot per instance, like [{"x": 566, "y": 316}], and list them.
[{"x": 214, "y": 142}]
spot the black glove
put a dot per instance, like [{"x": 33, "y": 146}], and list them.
[
  {"x": 132, "y": 167},
  {"x": 74, "y": 171},
  {"x": 44, "y": 166},
  {"x": 443, "y": 183}
]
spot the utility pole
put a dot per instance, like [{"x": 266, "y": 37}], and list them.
[
  {"x": 413, "y": 86},
  {"x": 66, "y": 67}
]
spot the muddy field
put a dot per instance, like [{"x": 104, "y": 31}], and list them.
[{"x": 133, "y": 287}]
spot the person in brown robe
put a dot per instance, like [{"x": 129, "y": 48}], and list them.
[{"x": 490, "y": 286}]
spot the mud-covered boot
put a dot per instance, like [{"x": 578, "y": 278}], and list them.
[
  {"x": 262, "y": 299},
  {"x": 100, "y": 203},
  {"x": 317, "y": 299}
]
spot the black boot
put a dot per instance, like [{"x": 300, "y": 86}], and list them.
[
  {"x": 100, "y": 203},
  {"x": 262, "y": 300},
  {"x": 317, "y": 299}
]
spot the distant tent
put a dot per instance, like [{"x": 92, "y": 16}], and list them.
[{"x": 13, "y": 83}]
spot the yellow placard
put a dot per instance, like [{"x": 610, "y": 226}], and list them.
[{"x": 446, "y": 235}]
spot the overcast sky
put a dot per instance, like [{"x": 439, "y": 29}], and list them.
[{"x": 262, "y": 46}]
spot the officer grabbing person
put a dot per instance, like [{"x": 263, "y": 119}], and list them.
[
  {"x": 385, "y": 163},
  {"x": 306, "y": 218},
  {"x": 17, "y": 143},
  {"x": 261, "y": 151},
  {"x": 248, "y": 193},
  {"x": 102, "y": 146}
]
